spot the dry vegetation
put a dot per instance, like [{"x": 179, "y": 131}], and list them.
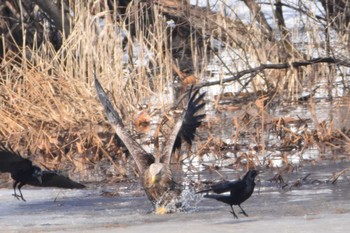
[{"x": 49, "y": 108}]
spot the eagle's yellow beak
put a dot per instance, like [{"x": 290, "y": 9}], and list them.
[
  {"x": 161, "y": 210},
  {"x": 153, "y": 180}
]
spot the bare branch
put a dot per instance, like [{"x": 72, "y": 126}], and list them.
[{"x": 280, "y": 66}]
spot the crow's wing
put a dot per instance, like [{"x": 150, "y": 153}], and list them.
[
  {"x": 220, "y": 187},
  {"x": 238, "y": 188},
  {"x": 223, "y": 198},
  {"x": 54, "y": 179},
  {"x": 185, "y": 127},
  {"x": 142, "y": 158},
  {"x": 11, "y": 161}
]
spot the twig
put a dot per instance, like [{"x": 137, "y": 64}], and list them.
[
  {"x": 336, "y": 176},
  {"x": 262, "y": 67}
]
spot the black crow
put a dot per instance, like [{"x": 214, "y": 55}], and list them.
[
  {"x": 24, "y": 172},
  {"x": 240, "y": 191},
  {"x": 156, "y": 176}
]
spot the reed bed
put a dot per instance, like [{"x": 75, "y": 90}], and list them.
[{"x": 50, "y": 112}]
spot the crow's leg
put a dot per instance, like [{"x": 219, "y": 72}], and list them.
[
  {"x": 19, "y": 189},
  {"x": 14, "y": 190},
  {"x": 233, "y": 212},
  {"x": 243, "y": 212}
]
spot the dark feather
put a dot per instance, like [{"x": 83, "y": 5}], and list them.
[
  {"x": 221, "y": 187},
  {"x": 190, "y": 121},
  {"x": 240, "y": 191},
  {"x": 223, "y": 198},
  {"x": 54, "y": 179},
  {"x": 24, "y": 172},
  {"x": 11, "y": 161},
  {"x": 185, "y": 128}
]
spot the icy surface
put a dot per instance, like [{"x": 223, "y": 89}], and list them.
[{"x": 309, "y": 208}]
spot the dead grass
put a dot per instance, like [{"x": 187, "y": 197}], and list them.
[
  {"x": 49, "y": 107},
  {"x": 48, "y": 104}
]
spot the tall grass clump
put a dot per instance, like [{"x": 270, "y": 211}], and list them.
[{"x": 49, "y": 105}]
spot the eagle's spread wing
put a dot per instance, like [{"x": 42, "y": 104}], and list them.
[
  {"x": 185, "y": 127},
  {"x": 141, "y": 157}
]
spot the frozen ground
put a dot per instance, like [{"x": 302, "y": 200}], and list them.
[{"x": 310, "y": 208}]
